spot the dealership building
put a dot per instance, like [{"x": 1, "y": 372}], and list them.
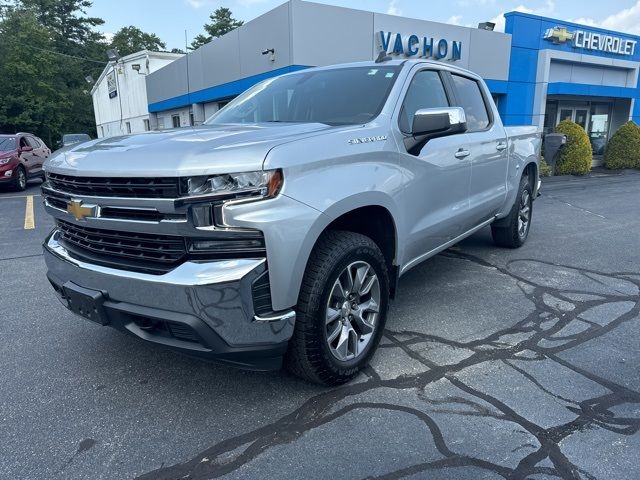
[{"x": 540, "y": 71}]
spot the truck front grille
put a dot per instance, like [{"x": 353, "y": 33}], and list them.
[
  {"x": 161, "y": 187},
  {"x": 155, "y": 253},
  {"x": 144, "y": 252}
]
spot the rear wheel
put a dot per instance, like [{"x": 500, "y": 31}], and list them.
[
  {"x": 20, "y": 182},
  {"x": 513, "y": 230},
  {"x": 342, "y": 309}
]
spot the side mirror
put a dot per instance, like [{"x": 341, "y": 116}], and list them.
[
  {"x": 26, "y": 148},
  {"x": 431, "y": 123},
  {"x": 439, "y": 121}
]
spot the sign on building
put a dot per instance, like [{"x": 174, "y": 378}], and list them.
[
  {"x": 112, "y": 85},
  {"x": 419, "y": 46},
  {"x": 591, "y": 40}
]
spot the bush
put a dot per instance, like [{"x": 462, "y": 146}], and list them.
[
  {"x": 545, "y": 169},
  {"x": 576, "y": 155},
  {"x": 623, "y": 149}
]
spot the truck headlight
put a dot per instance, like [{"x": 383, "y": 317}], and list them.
[{"x": 261, "y": 183}]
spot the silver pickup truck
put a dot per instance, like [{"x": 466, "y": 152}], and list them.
[{"x": 279, "y": 229}]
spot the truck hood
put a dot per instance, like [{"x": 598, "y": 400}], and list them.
[{"x": 203, "y": 150}]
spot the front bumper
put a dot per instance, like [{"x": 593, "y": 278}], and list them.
[{"x": 203, "y": 309}]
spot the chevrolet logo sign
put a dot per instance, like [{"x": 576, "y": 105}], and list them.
[
  {"x": 79, "y": 211},
  {"x": 558, "y": 35}
]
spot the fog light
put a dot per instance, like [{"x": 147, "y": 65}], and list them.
[{"x": 8, "y": 173}]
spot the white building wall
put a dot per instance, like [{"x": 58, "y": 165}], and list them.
[{"x": 130, "y": 103}]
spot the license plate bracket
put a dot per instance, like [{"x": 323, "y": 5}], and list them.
[{"x": 87, "y": 303}]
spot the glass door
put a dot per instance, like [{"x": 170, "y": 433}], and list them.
[
  {"x": 599, "y": 126},
  {"x": 579, "y": 115}
]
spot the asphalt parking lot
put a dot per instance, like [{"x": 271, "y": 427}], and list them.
[{"x": 495, "y": 364}]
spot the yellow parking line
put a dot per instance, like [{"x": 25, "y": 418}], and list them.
[{"x": 29, "y": 222}]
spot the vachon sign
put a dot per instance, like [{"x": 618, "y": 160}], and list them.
[{"x": 419, "y": 46}]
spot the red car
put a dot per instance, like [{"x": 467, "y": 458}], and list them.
[{"x": 21, "y": 158}]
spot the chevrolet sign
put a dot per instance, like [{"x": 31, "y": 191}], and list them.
[{"x": 591, "y": 40}]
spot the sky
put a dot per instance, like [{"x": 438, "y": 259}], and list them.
[{"x": 170, "y": 18}]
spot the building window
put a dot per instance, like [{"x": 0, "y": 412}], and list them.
[
  {"x": 128, "y": 124},
  {"x": 146, "y": 124},
  {"x": 223, "y": 104},
  {"x": 191, "y": 118},
  {"x": 175, "y": 119}
]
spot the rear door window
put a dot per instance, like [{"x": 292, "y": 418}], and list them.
[
  {"x": 425, "y": 91},
  {"x": 472, "y": 101}
]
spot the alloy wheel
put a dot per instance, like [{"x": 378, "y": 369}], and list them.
[
  {"x": 22, "y": 179},
  {"x": 524, "y": 213},
  {"x": 352, "y": 311}
]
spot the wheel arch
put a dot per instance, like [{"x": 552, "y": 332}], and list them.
[{"x": 371, "y": 214}]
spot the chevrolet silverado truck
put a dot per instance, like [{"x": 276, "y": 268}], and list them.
[{"x": 277, "y": 231}]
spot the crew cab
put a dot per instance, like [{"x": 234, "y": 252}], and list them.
[{"x": 278, "y": 230}]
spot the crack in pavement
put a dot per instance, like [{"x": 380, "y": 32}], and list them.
[{"x": 532, "y": 340}]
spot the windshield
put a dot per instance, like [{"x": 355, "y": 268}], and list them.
[
  {"x": 7, "y": 144},
  {"x": 341, "y": 96}
]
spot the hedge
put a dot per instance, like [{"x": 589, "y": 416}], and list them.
[
  {"x": 545, "y": 169},
  {"x": 576, "y": 155},
  {"x": 623, "y": 149}
]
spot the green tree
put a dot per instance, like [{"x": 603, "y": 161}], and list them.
[
  {"x": 222, "y": 22},
  {"x": 67, "y": 21},
  {"x": 34, "y": 95},
  {"x": 47, "y": 48},
  {"x": 131, "y": 39}
]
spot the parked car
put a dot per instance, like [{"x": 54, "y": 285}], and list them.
[
  {"x": 73, "y": 138},
  {"x": 21, "y": 158},
  {"x": 279, "y": 229}
]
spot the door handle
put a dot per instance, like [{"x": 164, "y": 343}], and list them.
[
  {"x": 462, "y": 153},
  {"x": 501, "y": 146}
]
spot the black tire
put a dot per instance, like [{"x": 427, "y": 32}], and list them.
[
  {"x": 507, "y": 232},
  {"x": 309, "y": 355},
  {"x": 20, "y": 182}
]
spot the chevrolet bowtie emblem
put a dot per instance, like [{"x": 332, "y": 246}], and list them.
[
  {"x": 79, "y": 211},
  {"x": 558, "y": 35}
]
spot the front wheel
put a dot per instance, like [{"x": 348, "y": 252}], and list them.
[
  {"x": 342, "y": 309},
  {"x": 513, "y": 230},
  {"x": 20, "y": 182}
]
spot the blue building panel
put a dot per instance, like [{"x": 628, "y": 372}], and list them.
[
  {"x": 524, "y": 29},
  {"x": 523, "y": 65}
]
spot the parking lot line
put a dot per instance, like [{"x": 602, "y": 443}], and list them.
[{"x": 29, "y": 222}]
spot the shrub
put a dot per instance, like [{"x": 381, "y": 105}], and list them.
[
  {"x": 576, "y": 155},
  {"x": 623, "y": 149},
  {"x": 545, "y": 169}
]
